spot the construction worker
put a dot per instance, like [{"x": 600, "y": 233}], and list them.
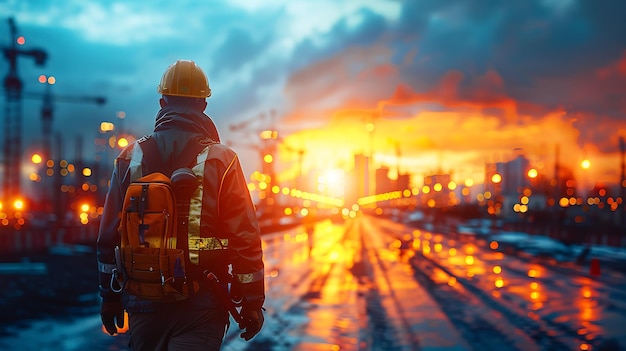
[{"x": 223, "y": 232}]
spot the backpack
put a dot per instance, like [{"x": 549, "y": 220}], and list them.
[{"x": 151, "y": 259}]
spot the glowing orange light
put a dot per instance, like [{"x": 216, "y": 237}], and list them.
[
  {"x": 106, "y": 127},
  {"x": 493, "y": 245},
  {"x": 585, "y": 164},
  {"x": 532, "y": 173},
  {"x": 21, "y": 40},
  {"x": 122, "y": 142},
  {"x": 84, "y": 207},
  {"x": 532, "y": 273},
  {"x": 36, "y": 158},
  {"x": 496, "y": 178},
  {"x": 18, "y": 204},
  {"x": 499, "y": 283},
  {"x": 497, "y": 269},
  {"x": 42, "y": 79},
  {"x": 469, "y": 260},
  {"x": 534, "y": 295},
  {"x": 268, "y": 134},
  {"x": 586, "y": 292}
]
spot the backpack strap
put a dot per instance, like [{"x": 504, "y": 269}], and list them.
[{"x": 155, "y": 163}]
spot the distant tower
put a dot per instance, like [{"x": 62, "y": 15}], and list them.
[{"x": 622, "y": 148}]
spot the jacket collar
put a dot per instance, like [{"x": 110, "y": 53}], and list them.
[{"x": 178, "y": 116}]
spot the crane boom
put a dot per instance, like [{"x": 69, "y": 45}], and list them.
[{"x": 99, "y": 100}]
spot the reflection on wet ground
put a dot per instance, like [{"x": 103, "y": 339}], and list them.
[{"x": 371, "y": 284}]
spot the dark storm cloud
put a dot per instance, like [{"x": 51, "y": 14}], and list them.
[
  {"x": 238, "y": 49},
  {"x": 341, "y": 36},
  {"x": 524, "y": 41},
  {"x": 241, "y": 49}
]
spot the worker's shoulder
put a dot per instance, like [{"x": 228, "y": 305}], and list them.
[
  {"x": 127, "y": 151},
  {"x": 219, "y": 148}
]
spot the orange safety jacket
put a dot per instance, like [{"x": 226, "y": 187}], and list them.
[{"x": 223, "y": 232}]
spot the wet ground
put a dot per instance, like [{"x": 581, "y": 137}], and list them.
[{"x": 371, "y": 284}]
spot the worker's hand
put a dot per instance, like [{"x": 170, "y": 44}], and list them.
[
  {"x": 252, "y": 322},
  {"x": 112, "y": 315}
]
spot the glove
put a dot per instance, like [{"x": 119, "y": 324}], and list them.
[
  {"x": 112, "y": 315},
  {"x": 252, "y": 322}
]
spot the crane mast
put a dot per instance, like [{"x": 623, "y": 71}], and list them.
[{"x": 12, "y": 147}]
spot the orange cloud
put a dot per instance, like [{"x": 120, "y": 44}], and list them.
[
  {"x": 483, "y": 94},
  {"x": 459, "y": 142},
  {"x": 455, "y": 126}
]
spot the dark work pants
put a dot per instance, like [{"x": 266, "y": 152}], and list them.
[{"x": 178, "y": 327}]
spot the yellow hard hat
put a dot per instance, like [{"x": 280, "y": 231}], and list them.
[{"x": 184, "y": 78}]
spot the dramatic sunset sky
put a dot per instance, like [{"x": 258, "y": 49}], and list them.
[{"x": 448, "y": 85}]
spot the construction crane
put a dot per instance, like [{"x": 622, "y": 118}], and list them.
[
  {"x": 267, "y": 149},
  {"x": 300, "y": 154},
  {"x": 12, "y": 147},
  {"x": 47, "y": 112},
  {"x": 47, "y": 117},
  {"x": 12, "y": 150}
]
